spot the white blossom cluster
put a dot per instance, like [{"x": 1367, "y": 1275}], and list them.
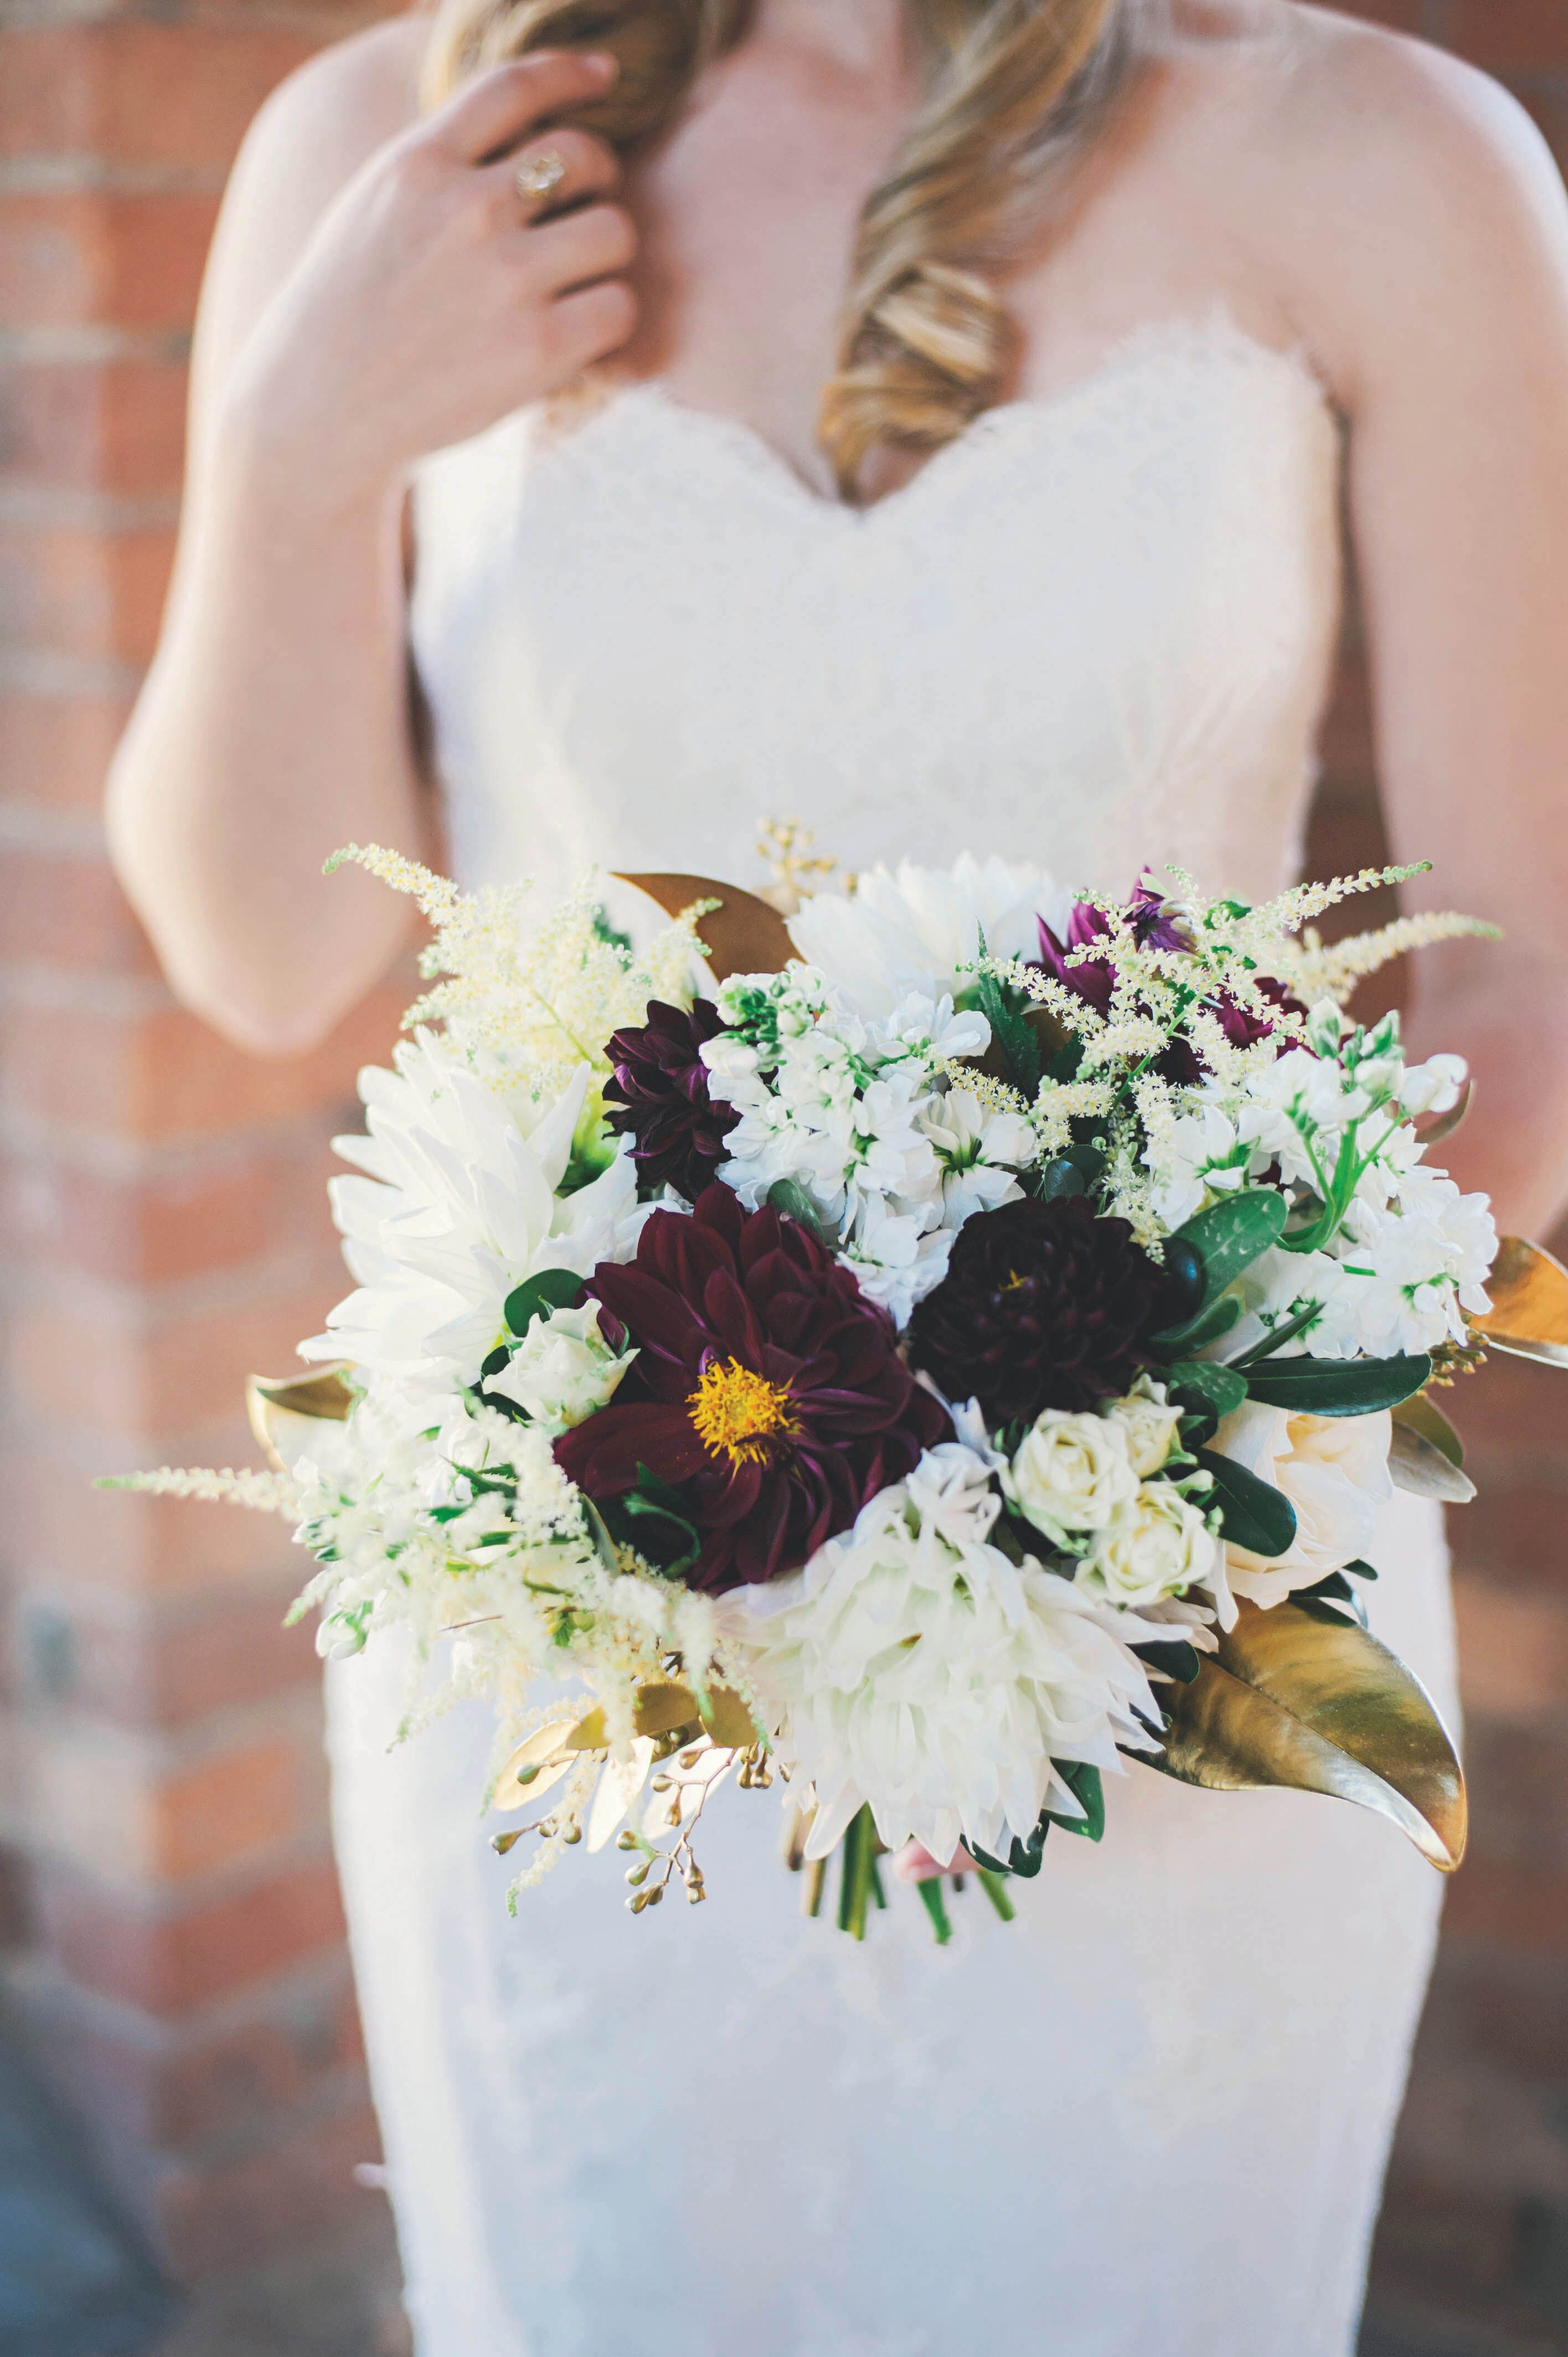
[
  {"x": 1384, "y": 1254},
  {"x": 862, "y": 1117}
]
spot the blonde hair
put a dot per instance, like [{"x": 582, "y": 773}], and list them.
[{"x": 925, "y": 341}]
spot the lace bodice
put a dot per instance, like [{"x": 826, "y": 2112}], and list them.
[{"x": 1095, "y": 630}]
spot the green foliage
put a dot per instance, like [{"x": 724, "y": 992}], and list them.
[
  {"x": 1225, "y": 1240},
  {"x": 1200, "y": 1385},
  {"x": 1178, "y": 1660},
  {"x": 790, "y": 1199},
  {"x": 1012, "y": 1035},
  {"x": 651, "y": 1517},
  {"x": 935, "y": 1904},
  {"x": 1253, "y": 1514},
  {"x": 1210, "y": 1324},
  {"x": 536, "y": 1296},
  {"x": 1337, "y": 1386}
]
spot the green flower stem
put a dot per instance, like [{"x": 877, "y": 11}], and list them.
[
  {"x": 936, "y": 1908},
  {"x": 858, "y": 1869},
  {"x": 995, "y": 1889}
]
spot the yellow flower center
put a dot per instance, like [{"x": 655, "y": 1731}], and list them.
[{"x": 737, "y": 1412}]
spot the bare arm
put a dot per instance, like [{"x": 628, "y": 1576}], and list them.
[
  {"x": 375, "y": 292},
  {"x": 1438, "y": 298}
]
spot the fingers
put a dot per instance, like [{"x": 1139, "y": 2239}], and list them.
[
  {"x": 589, "y": 167},
  {"x": 584, "y": 327},
  {"x": 489, "y": 114},
  {"x": 581, "y": 246}
]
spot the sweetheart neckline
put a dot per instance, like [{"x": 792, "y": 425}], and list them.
[{"x": 1216, "y": 337}]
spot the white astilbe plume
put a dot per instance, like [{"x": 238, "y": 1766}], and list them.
[
  {"x": 532, "y": 1005},
  {"x": 916, "y": 1667},
  {"x": 1315, "y": 969},
  {"x": 263, "y": 1493}
]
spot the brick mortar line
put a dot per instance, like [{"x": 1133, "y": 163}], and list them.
[
  {"x": 34, "y": 506},
  {"x": 152, "y": 1755},
  {"x": 83, "y": 173},
  {"x": 325, "y": 1972},
  {"x": 68, "y": 16},
  {"x": 109, "y": 1154},
  {"x": 88, "y": 342},
  {"x": 139, "y": 1307},
  {"x": 156, "y": 1906},
  {"x": 53, "y": 832},
  {"x": 48, "y": 673}
]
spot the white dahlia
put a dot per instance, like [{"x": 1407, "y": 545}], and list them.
[
  {"x": 919, "y": 929},
  {"x": 455, "y": 1208},
  {"x": 913, "y": 1665}
]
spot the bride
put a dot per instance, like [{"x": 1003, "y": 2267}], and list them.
[{"x": 927, "y": 419}]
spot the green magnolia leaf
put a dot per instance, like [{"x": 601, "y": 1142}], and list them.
[
  {"x": 1312, "y": 1703},
  {"x": 1084, "y": 1783},
  {"x": 1199, "y": 1382},
  {"x": 1210, "y": 1324},
  {"x": 536, "y": 1296},
  {"x": 1060, "y": 1178},
  {"x": 1178, "y": 1661},
  {"x": 1232, "y": 1233},
  {"x": 1337, "y": 1386},
  {"x": 1253, "y": 1514},
  {"x": 789, "y": 1198},
  {"x": 1023, "y": 1859}
]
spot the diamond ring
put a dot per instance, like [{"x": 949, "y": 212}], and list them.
[{"x": 539, "y": 177}]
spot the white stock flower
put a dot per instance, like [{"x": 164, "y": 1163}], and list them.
[
  {"x": 455, "y": 1209},
  {"x": 913, "y": 1665},
  {"x": 1150, "y": 1422},
  {"x": 979, "y": 1151},
  {"x": 563, "y": 1371},
  {"x": 1333, "y": 1471},
  {"x": 1071, "y": 1474},
  {"x": 1158, "y": 1546},
  {"x": 896, "y": 1257},
  {"x": 1434, "y": 1087},
  {"x": 919, "y": 929}
]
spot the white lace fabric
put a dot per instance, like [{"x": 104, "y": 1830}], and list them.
[{"x": 1148, "y": 2119}]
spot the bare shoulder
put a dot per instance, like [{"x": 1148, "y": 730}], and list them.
[
  {"x": 1376, "y": 179},
  {"x": 329, "y": 115}
]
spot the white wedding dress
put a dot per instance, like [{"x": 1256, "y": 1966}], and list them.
[{"x": 1150, "y": 2118}]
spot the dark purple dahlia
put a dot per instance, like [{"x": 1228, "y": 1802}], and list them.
[
  {"x": 768, "y": 1390},
  {"x": 1044, "y": 1305},
  {"x": 659, "y": 1095}
]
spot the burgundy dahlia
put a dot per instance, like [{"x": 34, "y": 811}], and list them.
[
  {"x": 768, "y": 1390},
  {"x": 660, "y": 1095},
  {"x": 1044, "y": 1305}
]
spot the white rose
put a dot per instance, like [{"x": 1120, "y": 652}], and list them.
[
  {"x": 562, "y": 1370},
  {"x": 1150, "y": 1422},
  {"x": 1333, "y": 1471},
  {"x": 1158, "y": 1546},
  {"x": 1071, "y": 1473}
]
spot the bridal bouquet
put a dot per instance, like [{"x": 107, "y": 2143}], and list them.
[{"x": 926, "y": 1352}]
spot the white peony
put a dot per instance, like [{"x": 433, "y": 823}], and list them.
[
  {"x": 1333, "y": 1471},
  {"x": 1150, "y": 1422},
  {"x": 919, "y": 929},
  {"x": 455, "y": 1206},
  {"x": 1071, "y": 1474},
  {"x": 1158, "y": 1546},
  {"x": 563, "y": 1371},
  {"x": 913, "y": 1665}
]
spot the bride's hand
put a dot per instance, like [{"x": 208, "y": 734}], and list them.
[{"x": 431, "y": 302}]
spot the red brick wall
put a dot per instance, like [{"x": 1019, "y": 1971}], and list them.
[
  {"x": 171, "y": 1908},
  {"x": 168, "y": 1900},
  {"x": 1472, "y": 2257}
]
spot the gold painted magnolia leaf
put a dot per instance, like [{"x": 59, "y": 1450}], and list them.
[
  {"x": 1420, "y": 1467},
  {"x": 283, "y": 1410},
  {"x": 1529, "y": 1315},
  {"x": 744, "y": 935},
  {"x": 1318, "y": 1705},
  {"x": 1422, "y": 1415},
  {"x": 673, "y": 1709}
]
